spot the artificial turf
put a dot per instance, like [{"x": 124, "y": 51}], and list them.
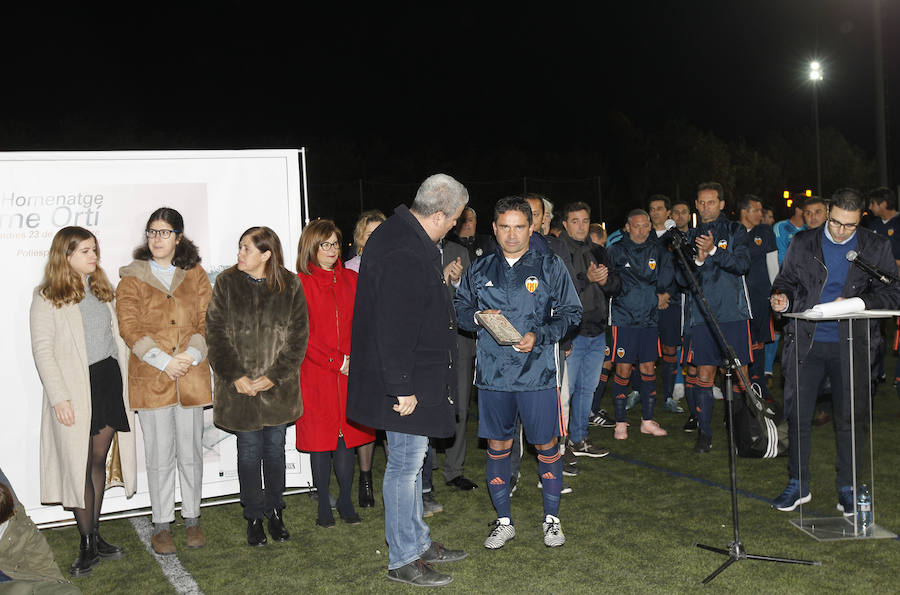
[{"x": 631, "y": 525}]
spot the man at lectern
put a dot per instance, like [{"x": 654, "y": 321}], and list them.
[{"x": 817, "y": 270}]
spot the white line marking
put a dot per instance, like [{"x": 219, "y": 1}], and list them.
[{"x": 171, "y": 566}]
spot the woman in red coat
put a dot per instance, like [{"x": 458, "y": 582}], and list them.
[{"x": 324, "y": 430}]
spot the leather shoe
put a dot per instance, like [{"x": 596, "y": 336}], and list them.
[
  {"x": 438, "y": 553},
  {"x": 366, "y": 490},
  {"x": 351, "y": 519},
  {"x": 326, "y": 523},
  {"x": 106, "y": 550},
  {"x": 163, "y": 544},
  {"x": 420, "y": 574},
  {"x": 256, "y": 535},
  {"x": 276, "y": 526},
  {"x": 195, "y": 537},
  {"x": 462, "y": 483},
  {"x": 87, "y": 556}
]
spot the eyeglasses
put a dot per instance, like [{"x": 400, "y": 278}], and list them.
[
  {"x": 847, "y": 226},
  {"x": 328, "y": 245},
  {"x": 163, "y": 233}
]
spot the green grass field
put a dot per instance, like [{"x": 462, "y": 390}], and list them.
[{"x": 631, "y": 525}]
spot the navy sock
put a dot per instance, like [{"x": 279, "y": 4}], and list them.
[
  {"x": 703, "y": 394},
  {"x": 620, "y": 396},
  {"x": 601, "y": 388},
  {"x": 669, "y": 371},
  {"x": 498, "y": 474},
  {"x": 690, "y": 385},
  {"x": 550, "y": 470},
  {"x": 648, "y": 395}
]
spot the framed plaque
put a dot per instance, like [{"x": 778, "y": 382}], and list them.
[{"x": 503, "y": 332}]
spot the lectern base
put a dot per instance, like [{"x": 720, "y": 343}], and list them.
[{"x": 836, "y": 528}]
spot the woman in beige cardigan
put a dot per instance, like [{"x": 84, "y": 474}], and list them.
[{"x": 80, "y": 359}]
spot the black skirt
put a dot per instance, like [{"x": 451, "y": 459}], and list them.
[{"x": 107, "y": 408}]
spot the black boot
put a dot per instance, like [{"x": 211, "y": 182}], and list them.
[
  {"x": 106, "y": 550},
  {"x": 276, "y": 526},
  {"x": 366, "y": 490},
  {"x": 87, "y": 556},
  {"x": 256, "y": 535}
]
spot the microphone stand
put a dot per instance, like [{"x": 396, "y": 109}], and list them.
[{"x": 735, "y": 551}]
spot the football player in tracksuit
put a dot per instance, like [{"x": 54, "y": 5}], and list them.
[
  {"x": 534, "y": 292},
  {"x": 722, "y": 260},
  {"x": 645, "y": 268}
]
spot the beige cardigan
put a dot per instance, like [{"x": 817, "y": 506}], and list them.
[{"x": 57, "y": 342}]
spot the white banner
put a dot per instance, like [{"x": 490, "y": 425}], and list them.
[{"x": 219, "y": 193}]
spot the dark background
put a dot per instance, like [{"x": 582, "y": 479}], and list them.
[{"x": 603, "y": 102}]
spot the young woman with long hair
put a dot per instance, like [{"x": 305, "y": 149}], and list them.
[{"x": 80, "y": 359}]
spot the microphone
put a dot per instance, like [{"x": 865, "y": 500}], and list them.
[
  {"x": 675, "y": 234},
  {"x": 870, "y": 268}
]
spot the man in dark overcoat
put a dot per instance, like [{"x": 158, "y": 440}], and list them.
[{"x": 402, "y": 360}]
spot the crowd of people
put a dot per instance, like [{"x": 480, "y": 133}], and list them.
[{"x": 540, "y": 313}]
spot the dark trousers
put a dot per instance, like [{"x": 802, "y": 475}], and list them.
[
  {"x": 824, "y": 359},
  {"x": 261, "y": 447},
  {"x": 455, "y": 455}
]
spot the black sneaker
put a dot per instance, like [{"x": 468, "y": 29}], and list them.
[
  {"x": 583, "y": 448},
  {"x": 691, "y": 424},
  {"x": 569, "y": 467},
  {"x": 703, "y": 444},
  {"x": 601, "y": 420}
]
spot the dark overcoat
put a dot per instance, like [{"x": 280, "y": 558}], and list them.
[
  {"x": 253, "y": 331},
  {"x": 404, "y": 333}
]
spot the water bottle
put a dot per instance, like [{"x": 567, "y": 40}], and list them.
[{"x": 864, "y": 510}]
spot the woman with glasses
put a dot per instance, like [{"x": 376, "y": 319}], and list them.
[
  {"x": 162, "y": 300},
  {"x": 257, "y": 331},
  {"x": 324, "y": 430},
  {"x": 80, "y": 359}
]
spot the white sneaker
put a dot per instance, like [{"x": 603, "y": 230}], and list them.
[
  {"x": 553, "y": 535},
  {"x": 678, "y": 391},
  {"x": 500, "y": 534},
  {"x": 717, "y": 393}
]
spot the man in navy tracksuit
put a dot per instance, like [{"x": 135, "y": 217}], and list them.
[
  {"x": 763, "y": 269},
  {"x": 816, "y": 270},
  {"x": 722, "y": 261},
  {"x": 534, "y": 292},
  {"x": 645, "y": 267}
]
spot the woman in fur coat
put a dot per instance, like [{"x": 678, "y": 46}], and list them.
[{"x": 257, "y": 329}]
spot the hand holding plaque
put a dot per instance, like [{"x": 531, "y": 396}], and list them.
[{"x": 503, "y": 332}]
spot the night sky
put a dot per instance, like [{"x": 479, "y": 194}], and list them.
[{"x": 398, "y": 79}]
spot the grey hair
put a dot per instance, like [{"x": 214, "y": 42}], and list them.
[
  {"x": 439, "y": 193},
  {"x": 637, "y": 213},
  {"x": 548, "y": 207}
]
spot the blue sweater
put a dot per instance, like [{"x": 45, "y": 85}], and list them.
[{"x": 838, "y": 266}]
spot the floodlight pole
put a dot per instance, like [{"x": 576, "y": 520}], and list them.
[{"x": 815, "y": 75}]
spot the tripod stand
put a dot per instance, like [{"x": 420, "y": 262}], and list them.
[{"x": 735, "y": 550}]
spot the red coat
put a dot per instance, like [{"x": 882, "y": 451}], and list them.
[{"x": 329, "y": 301}]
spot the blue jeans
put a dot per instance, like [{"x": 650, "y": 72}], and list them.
[
  {"x": 406, "y": 533},
  {"x": 264, "y": 446},
  {"x": 585, "y": 365}
]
